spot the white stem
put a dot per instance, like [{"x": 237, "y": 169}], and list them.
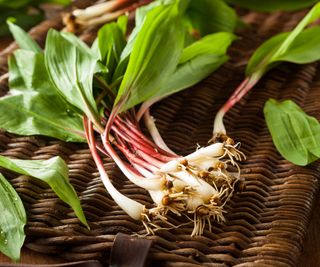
[
  {"x": 146, "y": 105},
  {"x": 102, "y": 19},
  {"x": 218, "y": 126},
  {"x": 178, "y": 185},
  {"x": 205, "y": 163},
  {"x": 193, "y": 202},
  {"x": 133, "y": 208},
  {"x": 157, "y": 196},
  {"x": 203, "y": 188},
  {"x": 153, "y": 130},
  {"x": 204, "y": 158},
  {"x": 148, "y": 184},
  {"x": 143, "y": 171},
  {"x": 214, "y": 150},
  {"x": 95, "y": 10},
  {"x": 171, "y": 166}
]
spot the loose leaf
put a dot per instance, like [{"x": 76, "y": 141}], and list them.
[
  {"x": 31, "y": 113},
  {"x": 198, "y": 61},
  {"x": 71, "y": 65},
  {"x": 34, "y": 107},
  {"x": 140, "y": 16},
  {"x": 12, "y": 220},
  {"x": 111, "y": 42},
  {"x": 210, "y": 16},
  {"x": 54, "y": 172},
  {"x": 272, "y": 5},
  {"x": 151, "y": 61},
  {"x": 23, "y": 39},
  {"x": 305, "y": 48},
  {"x": 292, "y": 47},
  {"x": 295, "y": 134}
]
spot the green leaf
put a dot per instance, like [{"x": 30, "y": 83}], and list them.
[
  {"x": 295, "y": 134},
  {"x": 198, "y": 61},
  {"x": 292, "y": 46},
  {"x": 23, "y": 39},
  {"x": 71, "y": 65},
  {"x": 151, "y": 62},
  {"x": 122, "y": 22},
  {"x": 54, "y": 172},
  {"x": 12, "y": 220},
  {"x": 111, "y": 41},
  {"x": 272, "y": 5},
  {"x": 305, "y": 48},
  {"x": 32, "y": 113},
  {"x": 210, "y": 16},
  {"x": 140, "y": 16},
  {"x": 33, "y": 106},
  {"x": 216, "y": 44}
]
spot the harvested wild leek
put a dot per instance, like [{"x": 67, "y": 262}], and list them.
[
  {"x": 99, "y": 13},
  {"x": 105, "y": 83},
  {"x": 300, "y": 46}
]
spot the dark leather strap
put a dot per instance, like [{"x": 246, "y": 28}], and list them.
[
  {"x": 70, "y": 264},
  {"x": 128, "y": 251}
]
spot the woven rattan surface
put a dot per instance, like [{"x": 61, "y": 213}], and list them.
[{"x": 266, "y": 224}]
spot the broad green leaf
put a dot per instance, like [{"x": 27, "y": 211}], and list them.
[
  {"x": 292, "y": 46},
  {"x": 190, "y": 73},
  {"x": 198, "y": 61},
  {"x": 305, "y": 48},
  {"x": 122, "y": 22},
  {"x": 216, "y": 44},
  {"x": 140, "y": 16},
  {"x": 210, "y": 16},
  {"x": 33, "y": 106},
  {"x": 23, "y": 39},
  {"x": 54, "y": 172},
  {"x": 71, "y": 67},
  {"x": 111, "y": 41},
  {"x": 154, "y": 56},
  {"x": 295, "y": 134},
  {"x": 272, "y": 5},
  {"x": 32, "y": 113},
  {"x": 12, "y": 220}
]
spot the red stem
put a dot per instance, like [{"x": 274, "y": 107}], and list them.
[
  {"x": 136, "y": 160},
  {"x": 139, "y": 147},
  {"x": 239, "y": 93},
  {"x": 145, "y": 139}
]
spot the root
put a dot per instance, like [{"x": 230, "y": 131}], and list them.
[{"x": 203, "y": 215}]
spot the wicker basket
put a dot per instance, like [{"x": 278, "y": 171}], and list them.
[{"x": 266, "y": 224}]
